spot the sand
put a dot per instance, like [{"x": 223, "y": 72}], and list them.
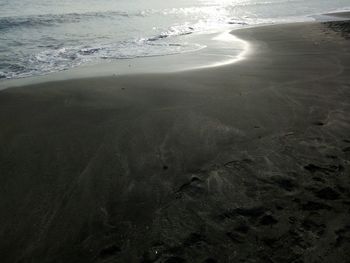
[{"x": 242, "y": 163}]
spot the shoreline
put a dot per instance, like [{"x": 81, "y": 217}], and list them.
[
  {"x": 218, "y": 49},
  {"x": 248, "y": 162},
  {"x": 134, "y": 66}
]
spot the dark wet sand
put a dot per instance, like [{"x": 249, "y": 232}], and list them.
[{"x": 243, "y": 163}]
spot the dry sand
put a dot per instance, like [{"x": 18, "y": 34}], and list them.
[{"x": 243, "y": 163}]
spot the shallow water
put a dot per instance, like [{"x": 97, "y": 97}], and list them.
[{"x": 42, "y": 36}]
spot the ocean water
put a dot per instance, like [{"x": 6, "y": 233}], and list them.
[{"x": 42, "y": 36}]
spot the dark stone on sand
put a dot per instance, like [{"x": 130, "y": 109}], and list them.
[{"x": 318, "y": 123}]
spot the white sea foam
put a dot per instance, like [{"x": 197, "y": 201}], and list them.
[{"x": 42, "y": 36}]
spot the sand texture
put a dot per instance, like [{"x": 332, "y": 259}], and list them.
[{"x": 242, "y": 163}]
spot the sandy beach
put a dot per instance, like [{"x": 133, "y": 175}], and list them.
[{"x": 247, "y": 162}]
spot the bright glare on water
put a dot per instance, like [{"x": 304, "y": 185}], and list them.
[{"x": 41, "y": 36}]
